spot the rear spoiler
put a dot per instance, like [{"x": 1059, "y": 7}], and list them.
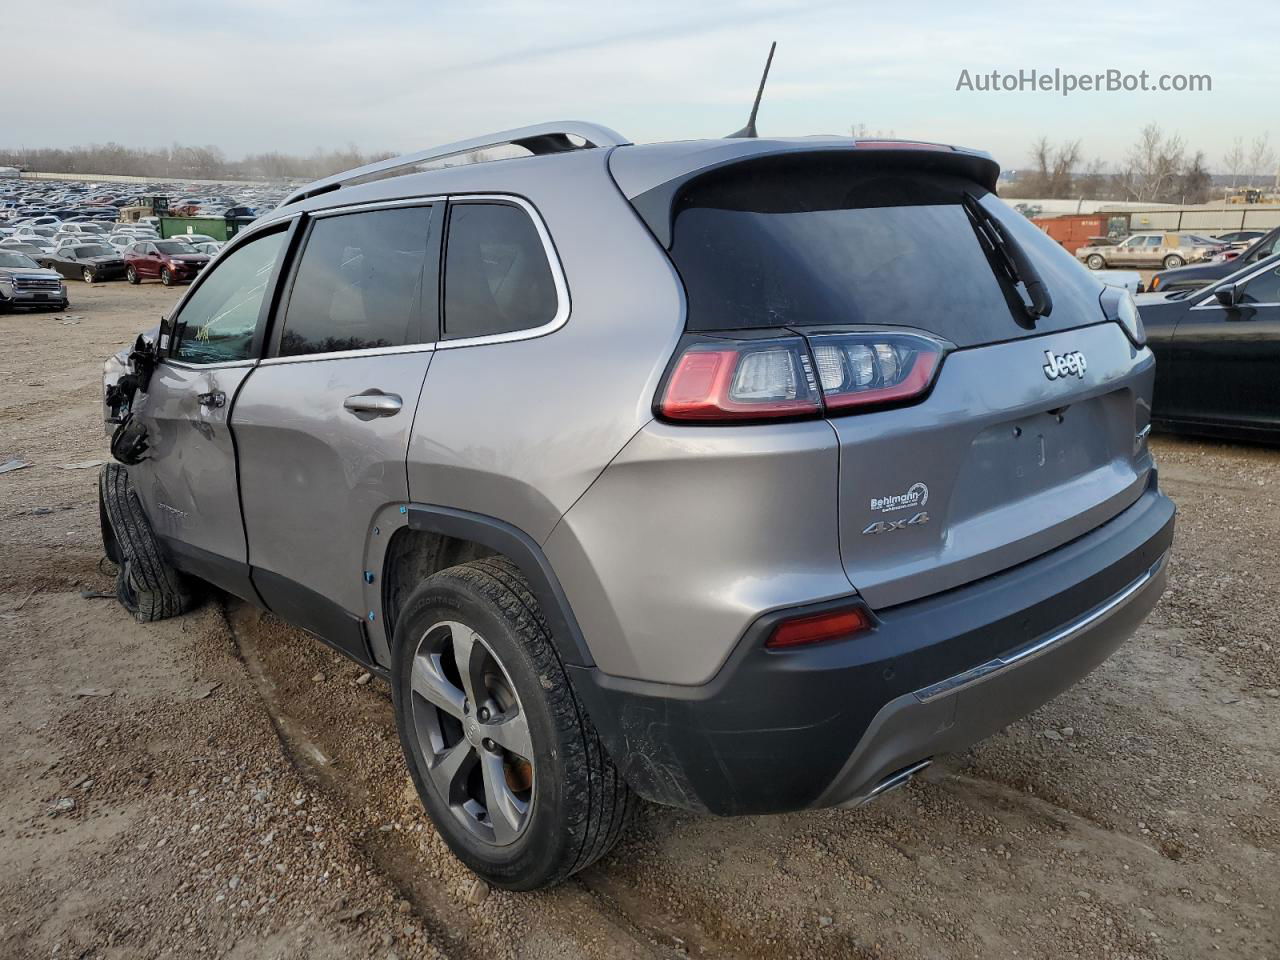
[{"x": 654, "y": 202}]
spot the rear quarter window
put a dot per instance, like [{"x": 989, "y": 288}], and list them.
[{"x": 496, "y": 276}]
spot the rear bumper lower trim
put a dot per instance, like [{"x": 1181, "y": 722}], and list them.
[{"x": 986, "y": 671}]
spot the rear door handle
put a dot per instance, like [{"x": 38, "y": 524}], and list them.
[{"x": 373, "y": 404}]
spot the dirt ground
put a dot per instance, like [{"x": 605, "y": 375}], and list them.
[{"x": 220, "y": 785}]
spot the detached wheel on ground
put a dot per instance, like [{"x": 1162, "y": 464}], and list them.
[
  {"x": 146, "y": 584},
  {"x": 501, "y": 752}
]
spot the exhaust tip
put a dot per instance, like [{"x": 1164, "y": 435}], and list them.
[{"x": 894, "y": 781}]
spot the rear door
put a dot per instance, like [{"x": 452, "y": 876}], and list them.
[
  {"x": 322, "y": 426},
  {"x": 1226, "y": 359},
  {"x": 187, "y": 483}
]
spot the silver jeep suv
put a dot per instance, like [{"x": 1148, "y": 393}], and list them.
[{"x": 743, "y": 475}]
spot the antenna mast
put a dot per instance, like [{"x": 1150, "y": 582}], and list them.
[{"x": 749, "y": 131}]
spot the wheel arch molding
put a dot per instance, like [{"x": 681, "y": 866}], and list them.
[{"x": 500, "y": 537}]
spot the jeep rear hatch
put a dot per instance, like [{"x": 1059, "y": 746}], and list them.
[{"x": 977, "y": 428}]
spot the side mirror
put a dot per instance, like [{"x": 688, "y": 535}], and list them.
[{"x": 1228, "y": 294}]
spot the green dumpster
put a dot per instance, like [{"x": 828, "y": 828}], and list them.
[{"x": 217, "y": 227}]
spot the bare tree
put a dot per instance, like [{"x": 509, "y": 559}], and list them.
[
  {"x": 1194, "y": 182},
  {"x": 1233, "y": 161},
  {"x": 1262, "y": 159},
  {"x": 183, "y": 161},
  {"x": 1153, "y": 166},
  {"x": 1053, "y": 168}
]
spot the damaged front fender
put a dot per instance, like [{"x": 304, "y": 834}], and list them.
[{"x": 124, "y": 376}]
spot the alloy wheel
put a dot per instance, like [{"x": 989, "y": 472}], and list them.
[{"x": 473, "y": 732}]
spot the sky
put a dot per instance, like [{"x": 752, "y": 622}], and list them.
[{"x": 293, "y": 75}]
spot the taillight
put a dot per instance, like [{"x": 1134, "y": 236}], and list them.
[
  {"x": 874, "y": 369},
  {"x": 717, "y": 380},
  {"x": 817, "y": 628}
]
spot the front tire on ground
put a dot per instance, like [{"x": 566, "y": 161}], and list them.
[
  {"x": 1095, "y": 261},
  {"x": 166, "y": 277},
  {"x": 89, "y": 275},
  {"x": 146, "y": 584},
  {"x": 1173, "y": 261},
  {"x": 502, "y": 754},
  {"x": 132, "y": 276}
]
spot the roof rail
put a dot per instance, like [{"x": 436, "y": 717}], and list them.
[{"x": 541, "y": 138}]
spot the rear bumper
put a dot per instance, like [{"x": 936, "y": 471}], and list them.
[{"x": 832, "y": 725}]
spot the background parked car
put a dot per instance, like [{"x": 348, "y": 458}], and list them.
[
  {"x": 1166, "y": 250},
  {"x": 24, "y": 283},
  {"x": 1218, "y": 352},
  {"x": 1240, "y": 238},
  {"x": 1197, "y": 275},
  {"x": 193, "y": 238},
  {"x": 91, "y": 262},
  {"x": 21, "y": 246},
  {"x": 169, "y": 261}
]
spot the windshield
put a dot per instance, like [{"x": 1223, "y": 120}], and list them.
[
  {"x": 10, "y": 259},
  {"x": 172, "y": 247},
  {"x": 804, "y": 243},
  {"x": 94, "y": 250}
]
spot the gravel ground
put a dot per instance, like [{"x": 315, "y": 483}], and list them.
[{"x": 220, "y": 785}]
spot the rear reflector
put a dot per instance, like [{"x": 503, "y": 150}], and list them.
[{"x": 803, "y": 631}]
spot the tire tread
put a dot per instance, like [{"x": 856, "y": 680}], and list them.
[{"x": 147, "y": 585}]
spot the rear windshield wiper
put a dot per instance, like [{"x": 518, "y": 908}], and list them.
[{"x": 1012, "y": 259}]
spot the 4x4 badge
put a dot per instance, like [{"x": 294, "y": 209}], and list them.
[{"x": 888, "y": 526}]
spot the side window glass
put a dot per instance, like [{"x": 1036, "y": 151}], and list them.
[
  {"x": 218, "y": 322},
  {"x": 359, "y": 285},
  {"x": 1264, "y": 288},
  {"x": 496, "y": 275}
]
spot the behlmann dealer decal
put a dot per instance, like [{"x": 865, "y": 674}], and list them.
[{"x": 917, "y": 495}]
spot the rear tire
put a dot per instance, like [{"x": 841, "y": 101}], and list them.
[
  {"x": 147, "y": 585},
  {"x": 1095, "y": 261},
  {"x": 561, "y": 808}
]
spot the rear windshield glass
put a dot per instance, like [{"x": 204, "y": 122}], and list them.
[{"x": 803, "y": 243}]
